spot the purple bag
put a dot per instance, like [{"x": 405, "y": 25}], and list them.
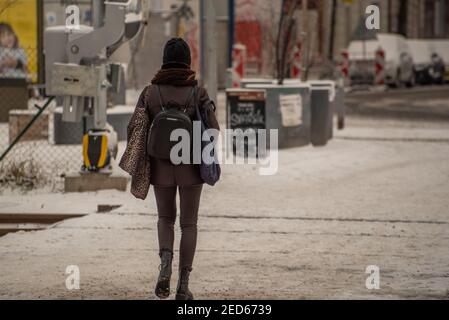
[{"x": 210, "y": 173}]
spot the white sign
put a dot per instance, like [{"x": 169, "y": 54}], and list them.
[{"x": 291, "y": 109}]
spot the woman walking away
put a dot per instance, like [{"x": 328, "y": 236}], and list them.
[{"x": 173, "y": 90}]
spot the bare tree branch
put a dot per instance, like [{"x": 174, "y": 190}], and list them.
[{"x": 7, "y": 4}]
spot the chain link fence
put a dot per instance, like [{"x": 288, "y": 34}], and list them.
[{"x": 50, "y": 148}]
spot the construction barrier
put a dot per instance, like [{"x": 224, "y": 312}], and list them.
[
  {"x": 238, "y": 64},
  {"x": 380, "y": 67},
  {"x": 344, "y": 67},
  {"x": 296, "y": 62}
]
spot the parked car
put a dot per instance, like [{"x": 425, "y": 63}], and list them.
[
  {"x": 399, "y": 68},
  {"x": 441, "y": 49},
  {"x": 437, "y": 69},
  {"x": 422, "y": 60},
  {"x": 428, "y": 63}
]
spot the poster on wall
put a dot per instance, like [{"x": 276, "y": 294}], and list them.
[
  {"x": 291, "y": 109},
  {"x": 19, "y": 55}
]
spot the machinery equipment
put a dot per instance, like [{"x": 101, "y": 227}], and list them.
[{"x": 78, "y": 73}]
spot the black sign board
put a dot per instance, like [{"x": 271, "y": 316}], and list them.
[{"x": 246, "y": 110}]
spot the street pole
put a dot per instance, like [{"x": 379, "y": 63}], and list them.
[
  {"x": 390, "y": 17},
  {"x": 332, "y": 30},
  {"x": 348, "y": 23},
  {"x": 211, "y": 81},
  {"x": 305, "y": 40},
  {"x": 98, "y": 12},
  {"x": 202, "y": 63},
  {"x": 40, "y": 42},
  {"x": 320, "y": 9},
  {"x": 231, "y": 30}
]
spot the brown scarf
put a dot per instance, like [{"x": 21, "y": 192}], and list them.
[{"x": 175, "y": 77}]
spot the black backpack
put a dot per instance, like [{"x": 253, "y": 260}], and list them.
[{"x": 165, "y": 122}]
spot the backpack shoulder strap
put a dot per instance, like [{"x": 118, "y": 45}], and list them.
[
  {"x": 197, "y": 103},
  {"x": 189, "y": 98},
  {"x": 160, "y": 97}
]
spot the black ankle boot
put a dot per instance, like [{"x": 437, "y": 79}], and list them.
[
  {"x": 163, "y": 283},
  {"x": 183, "y": 292}
]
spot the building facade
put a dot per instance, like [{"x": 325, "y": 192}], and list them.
[{"x": 331, "y": 25}]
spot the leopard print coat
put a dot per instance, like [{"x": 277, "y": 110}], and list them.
[{"x": 134, "y": 160}]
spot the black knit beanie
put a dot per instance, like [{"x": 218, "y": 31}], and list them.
[{"x": 176, "y": 54}]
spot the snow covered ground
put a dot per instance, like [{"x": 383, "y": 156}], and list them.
[{"x": 376, "y": 195}]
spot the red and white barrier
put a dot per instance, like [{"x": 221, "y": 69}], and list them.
[
  {"x": 296, "y": 65},
  {"x": 344, "y": 67},
  {"x": 380, "y": 67},
  {"x": 238, "y": 64}
]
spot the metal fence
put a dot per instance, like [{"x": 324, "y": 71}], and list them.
[
  {"x": 36, "y": 160},
  {"x": 40, "y": 158}
]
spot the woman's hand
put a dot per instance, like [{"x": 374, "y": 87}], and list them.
[{"x": 9, "y": 62}]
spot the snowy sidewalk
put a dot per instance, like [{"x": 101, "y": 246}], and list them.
[{"x": 308, "y": 232}]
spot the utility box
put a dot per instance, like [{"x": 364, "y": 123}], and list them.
[
  {"x": 288, "y": 111},
  {"x": 331, "y": 86},
  {"x": 321, "y": 113},
  {"x": 284, "y": 108}
]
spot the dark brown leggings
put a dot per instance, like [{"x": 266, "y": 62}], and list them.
[{"x": 189, "y": 205}]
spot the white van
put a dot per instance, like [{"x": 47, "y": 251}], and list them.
[
  {"x": 422, "y": 59},
  {"x": 398, "y": 60}
]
